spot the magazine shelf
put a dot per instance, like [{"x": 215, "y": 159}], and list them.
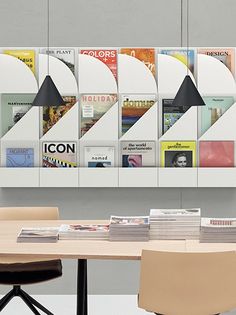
[
  {"x": 127, "y": 78},
  {"x": 98, "y": 177},
  {"x": 216, "y": 177},
  {"x": 19, "y": 177},
  {"x": 138, "y": 177},
  {"x": 59, "y": 177}
]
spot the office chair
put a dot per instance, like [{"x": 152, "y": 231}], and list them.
[
  {"x": 187, "y": 283},
  {"x": 28, "y": 272}
]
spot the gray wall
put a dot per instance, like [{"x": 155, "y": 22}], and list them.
[{"x": 115, "y": 23}]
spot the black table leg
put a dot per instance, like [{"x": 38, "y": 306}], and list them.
[{"x": 82, "y": 302}]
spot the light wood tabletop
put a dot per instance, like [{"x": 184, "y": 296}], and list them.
[{"x": 74, "y": 249}]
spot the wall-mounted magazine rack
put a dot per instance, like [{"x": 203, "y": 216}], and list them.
[
  {"x": 62, "y": 131},
  {"x": 95, "y": 77},
  {"x": 16, "y": 77}
]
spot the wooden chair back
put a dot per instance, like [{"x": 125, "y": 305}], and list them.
[
  {"x": 187, "y": 283},
  {"x": 29, "y": 213}
]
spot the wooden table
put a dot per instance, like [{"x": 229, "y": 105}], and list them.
[{"x": 82, "y": 250}]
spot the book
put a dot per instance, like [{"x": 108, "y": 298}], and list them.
[
  {"x": 66, "y": 55},
  {"x": 13, "y": 108},
  {"x": 215, "y": 107},
  {"x": 38, "y": 235},
  {"x": 216, "y": 153},
  {"x": 84, "y": 231},
  {"x": 93, "y": 107},
  {"x": 218, "y": 230},
  {"x": 175, "y": 223},
  {"x": 185, "y": 56},
  {"x": 99, "y": 156},
  {"x": 129, "y": 228},
  {"x": 225, "y": 55},
  {"x": 133, "y": 107},
  {"x": 146, "y": 55},
  {"x": 59, "y": 154},
  {"x": 107, "y": 56},
  {"x": 138, "y": 153},
  {"x": 52, "y": 114},
  {"x": 170, "y": 114},
  {"x": 19, "y": 157},
  {"x": 178, "y": 154},
  {"x": 25, "y": 55}
]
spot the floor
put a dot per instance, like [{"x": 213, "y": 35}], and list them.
[{"x": 98, "y": 305}]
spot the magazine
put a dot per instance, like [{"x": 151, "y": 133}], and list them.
[
  {"x": 38, "y": 235},
  {"x": 216, "y": 153},
  {"x": 52, "y": 114},
  {"x": 178, "y": 154},
  {"x": 170, "y": 114},
  {"x": 59, "y": 154},
  {"x": 27, "y": 56},
  {"x": 181, "y": 55},
  {"x": 13, "y": 108},
  {"x": 138, "y": 153},
  {"x": 93, "y": 107},
  {"x": 214, "y": 109},
  {"x": 107, "y": 56},
  {"x": 19, "y": 157},
  {"x": 218, "y": 230},
  {"x": 133, "y": 108},
  {"x": 146, "y": 55},
  {"x": 225, "y": 55},
  {"x": 99, "y": 156},
  {"x": 66, "y": 55},
  {"x": 129, "y": 220},
  {"x": 84, "y": 231}
]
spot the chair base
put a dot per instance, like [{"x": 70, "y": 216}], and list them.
[{"x": 29, "y": 301}]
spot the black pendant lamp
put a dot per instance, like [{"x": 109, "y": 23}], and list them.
[
  {"x": 48, "y": 94},
  {"x": 187, "y": 94}
]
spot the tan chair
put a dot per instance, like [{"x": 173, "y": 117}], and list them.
[
  {"x": 24, "y": 272},
  {"x": 187, "y": 283}
]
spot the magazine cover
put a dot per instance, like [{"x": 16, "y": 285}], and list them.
[
  {"x": 178, "y": 154},
  {"x": 181, "y": 55},
  {"x": 99, "y": 156},
  {"x": 225, "y": 55},
  {"x": 218, "y": 222},
  {"x": 216, "y": 153},
  {"x": 93, "y": 107},
  {"x": 146, "y": 55},
  {"x": 86, "y": 228},
  {"x": 59, "y": 154},
  {"x": 27, "y": 56},
  {"x": 107, "y": 56},
  {"x": 19, "y": 157},
  {"x": 67, "y": 56},
  {"x": 13, "y": 108},
  {"x": 214, "y": 109},
  {"x": 52, "y": 114},
  {"x": 133, "y": 107},
  {"x": 170, "y": 114},
  {"x": 138, "y": 153}
]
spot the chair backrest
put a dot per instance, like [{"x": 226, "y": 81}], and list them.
[
  {"x": 187, "y": 283},
  {"x": 29, "y": 213}
]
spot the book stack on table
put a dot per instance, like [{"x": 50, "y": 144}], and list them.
[
  {"x": 84, "y": 232},
  {"x": 218, "y": 230},
  {"x": 38, "y": 235},
  {"x": 127, "y": 228},
  {"x": 175, "y": 224}
]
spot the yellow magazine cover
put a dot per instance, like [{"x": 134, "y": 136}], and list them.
[
  {"x": 178, "y": 154},
  {"x": 27, "y": 56}
]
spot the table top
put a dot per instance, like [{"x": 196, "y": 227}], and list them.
[{"x": 10, "y": 250}]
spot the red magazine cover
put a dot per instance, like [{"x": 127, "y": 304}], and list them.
[
  {"x": 107, "y": 56},
  {"x": 216, "y": 153}
]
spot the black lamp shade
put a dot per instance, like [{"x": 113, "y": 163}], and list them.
[
  {"x": 188, "y": 94},
  {"x": 48, "y": 94}
]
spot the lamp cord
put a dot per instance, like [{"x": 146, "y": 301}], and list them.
[
  {"x": 181, "y": 23},
  {"x": 187, "y": 31},
  {"x": 48, "y": 34}
]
